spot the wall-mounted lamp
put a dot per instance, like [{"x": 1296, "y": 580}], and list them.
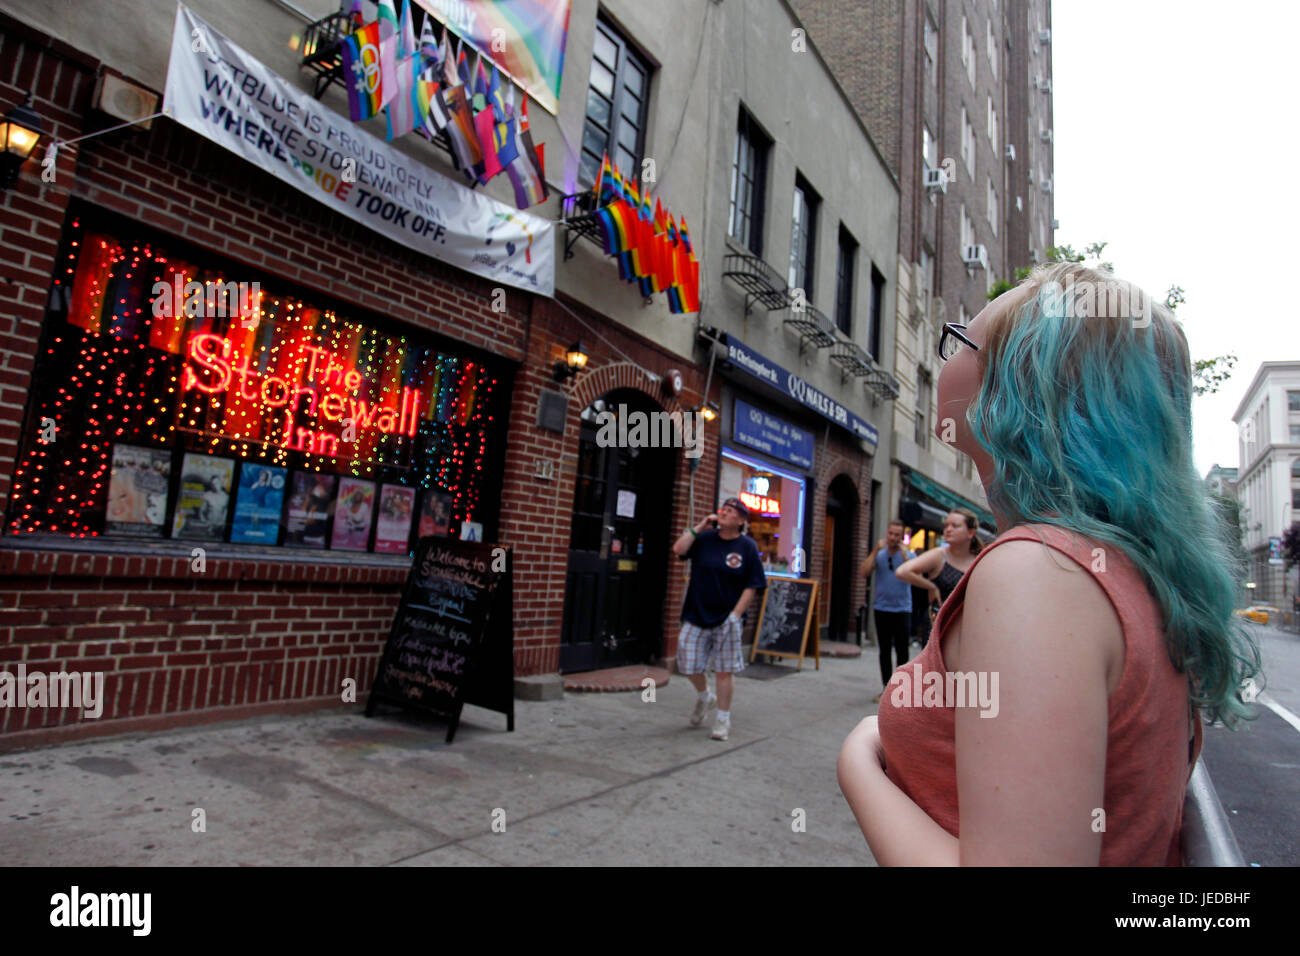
[
  {"x": 20, "y": 131},
  {"x": 575, "y": 360},
  {"x": 709, "y": 410}
]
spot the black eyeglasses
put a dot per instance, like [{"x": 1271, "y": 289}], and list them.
[{"x": 952, "y": 339}]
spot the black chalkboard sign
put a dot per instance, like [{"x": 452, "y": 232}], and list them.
[
  {"x": 451, "y": 642},
  {"x": 789, "y": 606}
]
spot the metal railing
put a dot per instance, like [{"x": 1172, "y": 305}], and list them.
[{"x": 1207, "y": 837}]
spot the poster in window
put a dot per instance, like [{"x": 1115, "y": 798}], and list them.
[
  {"x": 471, "y": 531},
  {"x": 435, "y": 514},
  {"x": 204, "y": 497},
  {"x": 137, "y": 491},
  {"x": 353, "y": 515},
  {"x": 258, "y": 504},
  {"x": 393, "y": 530},
  {"x": 311, "y": 499}
]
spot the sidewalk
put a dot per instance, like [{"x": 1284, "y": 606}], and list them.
[{"x": 591, "y": 779}]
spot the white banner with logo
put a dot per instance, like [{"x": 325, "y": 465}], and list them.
[{"x": 227, "y": 96}]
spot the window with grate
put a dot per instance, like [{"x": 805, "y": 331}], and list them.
[
  {"x": 803, "y": 237},
  {"x": 845, "y": 266}
]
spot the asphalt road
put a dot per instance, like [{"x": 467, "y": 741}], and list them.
[{"x": 1256, "y": 768}]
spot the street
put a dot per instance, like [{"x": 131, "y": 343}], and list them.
[{"x": 1256, "y": 769}]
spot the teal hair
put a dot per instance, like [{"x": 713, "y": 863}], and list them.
[{"x": 1085, "y": 409}]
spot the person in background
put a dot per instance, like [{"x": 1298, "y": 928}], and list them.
[
  {"x": 892, "y": 601},
  {"x": 939, "y": 569},
  {"x": 726, "y": 574}
]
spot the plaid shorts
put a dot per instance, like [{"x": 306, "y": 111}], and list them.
[{"x": 715, "y": 649}]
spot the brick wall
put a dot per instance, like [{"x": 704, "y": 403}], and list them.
[{"x": 538, "y": 519}]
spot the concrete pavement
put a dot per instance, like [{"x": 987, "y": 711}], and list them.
[{"x": 591, "y": 779}]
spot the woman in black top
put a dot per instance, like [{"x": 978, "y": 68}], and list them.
[{"x": 939, "y": 569}]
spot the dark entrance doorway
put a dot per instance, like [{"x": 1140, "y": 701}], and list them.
[
  {"x": 837, "y": 584},
  {"x": 618, "y": 546}
]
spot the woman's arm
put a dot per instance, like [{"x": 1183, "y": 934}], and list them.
[
  {"x": 1031, "y": 773},
  {"x": 912, "y": 571},
  {"x": 898, "y": 831}
]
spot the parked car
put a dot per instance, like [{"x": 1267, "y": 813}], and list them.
[{"x": 1259, "y": 613}]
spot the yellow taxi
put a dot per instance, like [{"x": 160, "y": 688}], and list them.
[{"x": 1259, "y": 613}]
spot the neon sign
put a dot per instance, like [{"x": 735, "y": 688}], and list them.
[
  {"x": 328, "y": 384},
  {"x": 761, "y": 503}
]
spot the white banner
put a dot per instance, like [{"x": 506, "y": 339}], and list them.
[{"x": 222, "y": 93}]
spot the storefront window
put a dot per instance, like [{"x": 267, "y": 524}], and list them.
[
  {"x": 172, "y": 401},
  {"x": 775, "y": 499}
]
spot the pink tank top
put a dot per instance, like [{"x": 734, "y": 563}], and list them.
[{"x": 1150, "y": 750}]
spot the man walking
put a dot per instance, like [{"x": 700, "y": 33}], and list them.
[
  {"x": 892, "y": 604},
  {"x": 726, "y": 573}
]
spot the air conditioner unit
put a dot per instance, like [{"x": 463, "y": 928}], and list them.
[
  {"x": 1031, "y": 176},
  {"x": 1044, "y": 36},
  {"x": 936, "y": 181},
  {"x": 1010, "y": 152},
  {"x": 124, "y": 100},
  {"x": 1020, "y": 205},
  {"x": 1047, "y": 185},
  {"x": 1044, "y": 86},
  {"x": 1056, "y": 224},
  {"x": 1045, "y": 135},
  {"x": 975, "y": 257}
]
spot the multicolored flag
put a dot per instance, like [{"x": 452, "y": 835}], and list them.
[
  {"x": 389, "y": 28},
  {"x": 506, "y": 126},
  {"x": 365, "y": 78},
  {"x": 465, "y": 147},
  {"x": 410, "y": 105},
  {"x": 526, "y": 171},
  {"x": 450, "y": 75},
  {"x": 485, "y": 127},
  {"x": 429, "y": 51}
]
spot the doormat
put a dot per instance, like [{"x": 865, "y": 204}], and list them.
[{"x": 760, "y": 671}]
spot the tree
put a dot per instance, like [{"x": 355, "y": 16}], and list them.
[{"x": 1207, "y": 374}]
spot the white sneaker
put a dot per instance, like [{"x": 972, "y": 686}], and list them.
[
  {"x": 721, "y": 729},
  {"x": 702, "y": 708}
]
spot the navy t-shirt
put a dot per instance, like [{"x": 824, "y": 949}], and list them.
[{"x": 720, "y": 573}]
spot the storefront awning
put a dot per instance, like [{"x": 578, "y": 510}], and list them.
[{"x": 948, "y": 499}]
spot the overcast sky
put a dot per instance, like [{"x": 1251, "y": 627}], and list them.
[{"x": 1176, "y": 142}]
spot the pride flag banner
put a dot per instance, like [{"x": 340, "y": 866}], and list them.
[{"x": 533, "y": 33}]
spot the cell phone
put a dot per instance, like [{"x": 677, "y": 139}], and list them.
[{"x": 714, "y": 522}]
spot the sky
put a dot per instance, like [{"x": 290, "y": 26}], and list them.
[{"x": 1175, "y": 142}]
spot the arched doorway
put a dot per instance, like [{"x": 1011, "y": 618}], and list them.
[
  {"x": 618, "y": 543},
  {"x": 837, "y": 579}
]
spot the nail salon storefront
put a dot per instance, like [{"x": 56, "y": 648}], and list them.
[{"x": 802, "y": 463}]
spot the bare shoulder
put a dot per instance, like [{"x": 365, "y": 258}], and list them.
[{"x": 1038, "y": 585}]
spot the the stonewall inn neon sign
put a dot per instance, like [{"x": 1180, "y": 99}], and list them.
[{"x": 328, "y": 383}]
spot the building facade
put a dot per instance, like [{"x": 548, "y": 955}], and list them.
[
  {"x": 184, "y": 513},
  {"x": 961, "y": 91},
  {"x": 1268, "y": 480}
]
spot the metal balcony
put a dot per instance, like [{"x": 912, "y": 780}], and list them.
[
  {"x": 851, "y": 358},
  {"x": 881, "y": 383},
  {"x": 760, "y": 281},
  {"x": 322, "y": 50},
  {"x": 813, "y": 326}
]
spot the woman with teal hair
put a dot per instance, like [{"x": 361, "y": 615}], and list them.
[{"x": 1059, "y": 701}]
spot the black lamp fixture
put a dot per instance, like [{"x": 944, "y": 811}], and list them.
[
  {"x": 20, "y": 131},
  {"x": 575, "y": 360}
]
